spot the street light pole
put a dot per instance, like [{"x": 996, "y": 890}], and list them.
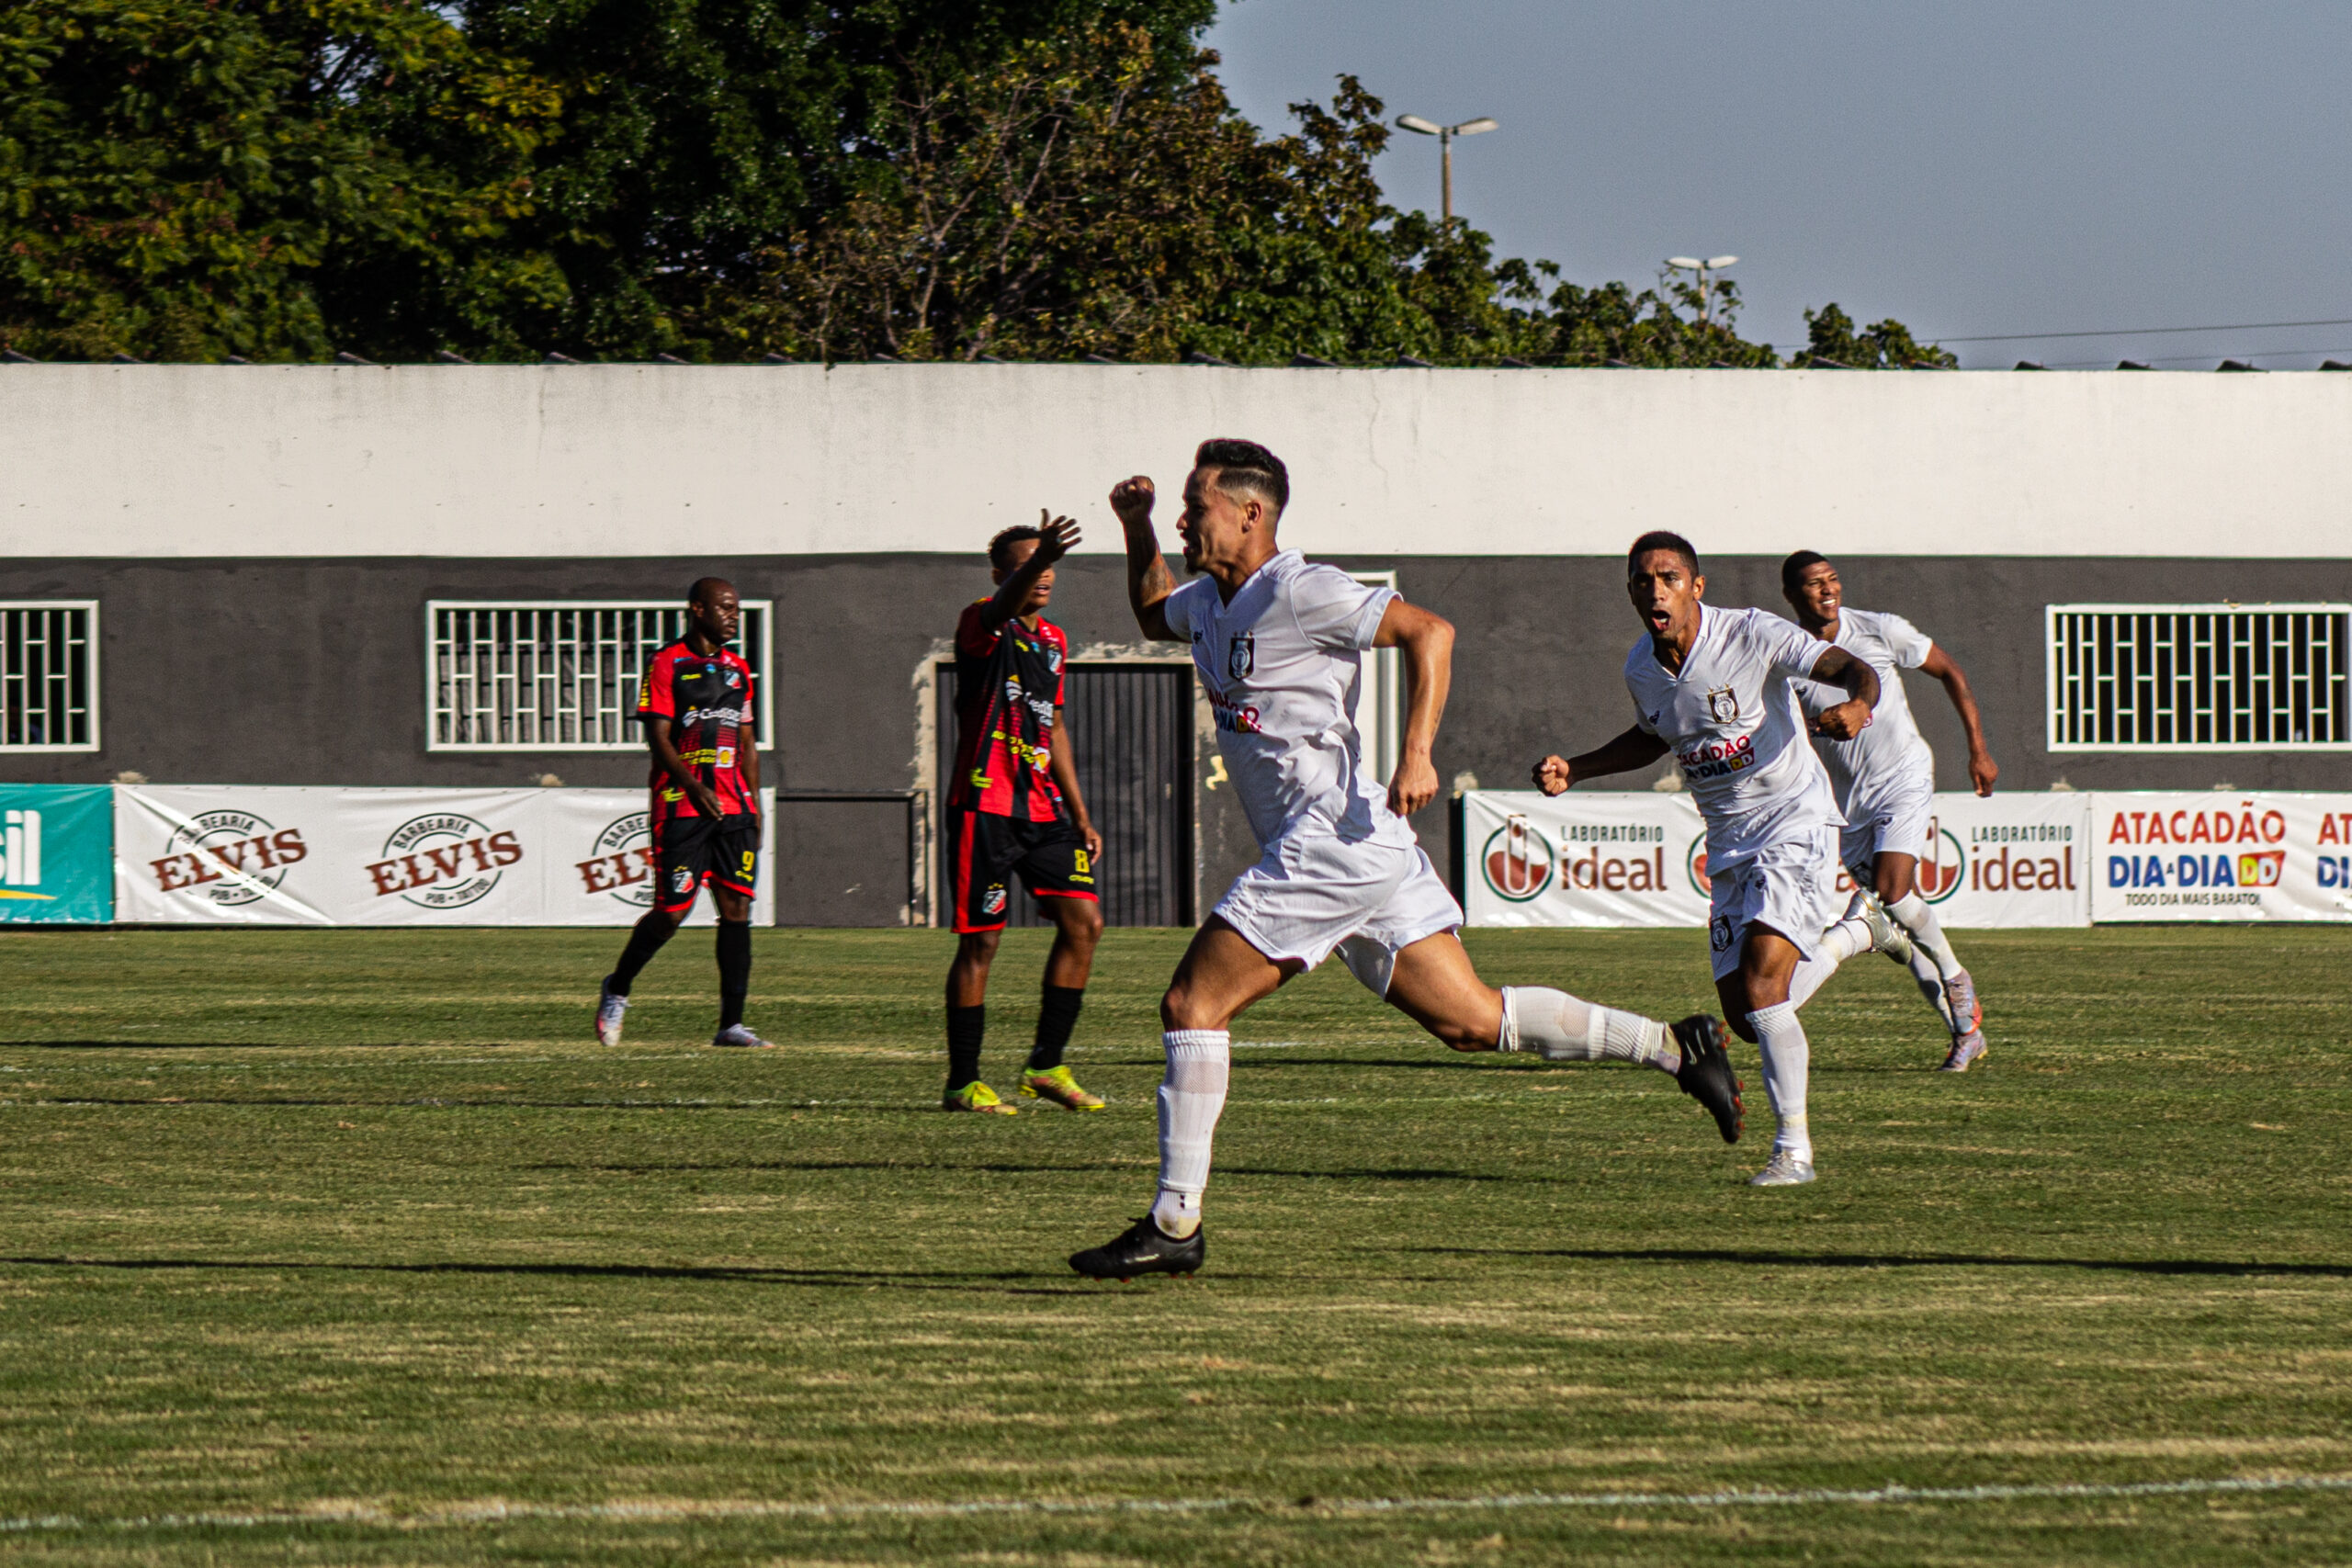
[
  {"x": 1445, "y": 135},
  {"x": 1705, "y": 271}
]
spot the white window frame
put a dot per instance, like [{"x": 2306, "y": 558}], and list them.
[
  {"x": 1380, "y": 700},
  {"x": 2068, "y": 674},
  {"x": 757, "y": 651},
  {"x": 13, "y": 682}
]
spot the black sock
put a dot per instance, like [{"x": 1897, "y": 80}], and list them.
[
  {"x": 964, "y": 1028},
  {"x": 643, "y": 943},
  {"x": 734, "y": 970},
  {"x": 1057, "y": 1016}
]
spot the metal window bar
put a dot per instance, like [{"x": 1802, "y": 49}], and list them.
[
  {"x": 2199, "y": 677},
  {"x": 557, "y": 676},
  {"x": 49, "y": 675}
]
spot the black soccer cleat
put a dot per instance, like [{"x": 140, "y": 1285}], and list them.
[
  {"x": 1706, "y": 1075},
  {"x": 1144, "y": 1249}
]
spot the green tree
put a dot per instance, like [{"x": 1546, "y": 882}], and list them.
[
  {"x": 185, "y": 179},
  {"x": 1885, "y": 346}
]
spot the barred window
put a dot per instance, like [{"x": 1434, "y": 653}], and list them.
[
  {"x": 49, "y": 675},
  {"x": 2198, "y": 677},
  {"x": 557, "y": 676}
]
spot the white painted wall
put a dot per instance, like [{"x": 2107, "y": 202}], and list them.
[{"x": 619, "y": 461}]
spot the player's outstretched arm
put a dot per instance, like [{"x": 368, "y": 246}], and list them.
[
  {"x": 1860, "y": 682},
  {"x": 666, "y": 758},
  {"x": 1427, "y": 642},
  {"x": 1982, "y": 769},
  {"x": 1149, "y": 582},
  {"x": 1060, "y": 762},
  {"x": 1637, "y": 747},
  {"x": 1059, "y": 536}
]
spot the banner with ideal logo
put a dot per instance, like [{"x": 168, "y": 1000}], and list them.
[
  {"x": 2216, "y": 855},
  {"x": 1636, "y": 859},
  {"x": 56, "y": 855},
  {"x": 221, "y": 855}
]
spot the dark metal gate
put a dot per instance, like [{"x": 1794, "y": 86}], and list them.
[{"x": 1132, "y": 730}]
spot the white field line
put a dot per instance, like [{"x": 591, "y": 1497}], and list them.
[{"x": 662, "y": 1512}]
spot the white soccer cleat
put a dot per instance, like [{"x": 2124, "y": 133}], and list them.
[
  {"x": 740, "y": 1034},
  {"x": 1783, "y": 1169},
  {"x": 1886, "y": 935},
  {"x": 1966, "y": 1051},
  {"x": 611, "y": 1008}
]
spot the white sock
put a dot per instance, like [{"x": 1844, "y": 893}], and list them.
[
  {"x": 1915, "y": 915},
  {"x": 1930, "y": 983},
  {"x": 1811, "y": 974},
  {"x": 1560, "y": 1028},
  {"x": 1849, "y": 937},
  {"x": 1191, "y": 1097},
  {"x": 1779, "y": 1038}
]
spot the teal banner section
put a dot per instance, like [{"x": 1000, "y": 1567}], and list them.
[{"x": 56, "y": 853}]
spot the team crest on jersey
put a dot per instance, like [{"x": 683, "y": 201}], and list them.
[
  {"x": 1722, "y": 704},
  {"x": 1242, "y": 657},
  {"x": 1054, "y": 659}
]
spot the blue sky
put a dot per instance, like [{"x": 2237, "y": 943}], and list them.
[{"x": 1971, "y": 168}]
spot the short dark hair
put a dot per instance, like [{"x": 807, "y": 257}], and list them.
[
  {"x": 1245, "y": 465},
  {"x": 1793, "y": 569},
  {"x": 1660, "y": 539},
  {"x": 1002, "y": 545},
  {"x": 704, "y": 588}
]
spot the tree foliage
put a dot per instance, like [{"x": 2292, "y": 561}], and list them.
[
  {"x": 1835, "y": 342},
  {"x": 725, "y": 179}
]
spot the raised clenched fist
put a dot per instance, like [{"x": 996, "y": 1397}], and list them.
[{"x": 1132, "y": 498}]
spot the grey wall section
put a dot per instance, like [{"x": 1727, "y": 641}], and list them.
[{"x": 290, "y": 672}]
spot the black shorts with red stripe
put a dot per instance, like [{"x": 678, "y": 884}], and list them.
[
  {"x": 690, "y": 851},
  {"x": 985, "y": 851}
]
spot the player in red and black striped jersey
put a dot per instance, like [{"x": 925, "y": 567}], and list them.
[
  {"x": 1013, "y": 807},
  {"x": 696, "y": 703}
]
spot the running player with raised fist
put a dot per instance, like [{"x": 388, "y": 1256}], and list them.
[
  {"x": 1712, "y": 686},
  {"x": 1279, "y": 643},
  {"x": 1885, "y": 782}
]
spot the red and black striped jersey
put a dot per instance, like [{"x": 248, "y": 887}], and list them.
[
  {"x": 708, "y": 700},
  {"x": 1008, "y": 683}
]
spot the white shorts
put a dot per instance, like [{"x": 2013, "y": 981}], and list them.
[
  {"x": 1789, "y": 884},
  {"x": 1890, "y": 820},
  {"x": 1309, "y": 896}
]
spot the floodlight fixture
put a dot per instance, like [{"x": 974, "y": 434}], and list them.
[
  {"x": 1704, "y": 271},
  {"x": 1445, "y": 135}
]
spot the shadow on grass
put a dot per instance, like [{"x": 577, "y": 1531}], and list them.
[
  {"x": 954, "y": 1281},
  {"x": 2191, "y": 1266},
  {"x": 953, "y": 1168},
  {"x": 439, "y": 1102}
]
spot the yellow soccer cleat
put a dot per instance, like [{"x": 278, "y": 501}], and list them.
[
  {"x": 1057, "y": 1086},
  {"x": 975, "y": 1095}
]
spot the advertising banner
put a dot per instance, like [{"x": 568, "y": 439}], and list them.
[
  {"x": 56, "y": 853},
  {"x": 1627, "y": 859},
  {"x": 225, "y": 855},
  {"x": 2222, "y": 856}
]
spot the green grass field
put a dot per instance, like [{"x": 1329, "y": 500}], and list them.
[{"x": 320, "y": 1246}]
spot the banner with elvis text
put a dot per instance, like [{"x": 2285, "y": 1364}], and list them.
[
  {"x": 1614, "y": 858},
  {"x": 232, "y": 854}
]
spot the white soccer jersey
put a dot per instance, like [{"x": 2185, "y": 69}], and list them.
[
  {"x": 1891, "y": 753},
  {"x": 1732, "y": 722},
  {"x": 1281, "y": 664}
]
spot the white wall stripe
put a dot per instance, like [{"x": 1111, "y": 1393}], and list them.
[{"x": 664, "y": 1512}]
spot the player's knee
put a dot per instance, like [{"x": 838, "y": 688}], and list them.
[
  {"x": 1182, "y": 1009},
  {"x": 978, "y": 947}
]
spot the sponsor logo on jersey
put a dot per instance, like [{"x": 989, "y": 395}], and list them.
[
  {"x": 1717, "y": 758},
  {"x": 1239, "y": 718},
  {"x": 444, "y": 860},
  {"x": 227, "y": 858},
  {"x": 623, "y": 865}
]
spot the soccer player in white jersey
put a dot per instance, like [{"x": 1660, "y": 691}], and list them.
[
  {"x": 1279, "y": 644},
  {"x": 1885, "y": 782},
  {"x": 1712, "y": 687}
]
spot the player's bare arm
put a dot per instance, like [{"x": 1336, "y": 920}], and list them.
[
  {"x": 1426, "y": 643},
  {"x": 1149, "y": 582},
  {"x": 1057, "y": 536},
  {"x": 1982, "y": 769},
  {"x": 1860, "y": 682},
  {"x": 1636, "y": 749},
  {"x": 666, "y": 758},
  {"x": 1065, "y": 773},
  {"x": 746, "y": 763}
]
